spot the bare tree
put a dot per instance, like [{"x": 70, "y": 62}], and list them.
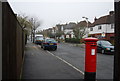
[
  {"x": 29, "y": 24},
  {"x": 23, "y": 20},
  {"x": 79, "y": 32}
]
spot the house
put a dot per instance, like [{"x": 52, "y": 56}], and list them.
[
  {"x": 68, "y": 30},
  {"x": 103, "y": 27},
  {"x": 54, "y": 30},
  {"x": 47, "y": 32}
]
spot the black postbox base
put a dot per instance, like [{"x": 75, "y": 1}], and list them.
[{"x": 90, "y": 76}]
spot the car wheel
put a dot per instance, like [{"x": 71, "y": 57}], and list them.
[
  {"x": 54, "y": 49},
  {"x": 44, "y": 48},
  {"x": 41, "y": 46},
  {"x": 103, "y": 51}
]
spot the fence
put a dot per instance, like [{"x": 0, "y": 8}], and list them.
[
  {"x": 0, "y": 41},
  {"x": 13, "y": 39}
]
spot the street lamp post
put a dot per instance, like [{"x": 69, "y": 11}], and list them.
[{"x": 87, "y": 25}]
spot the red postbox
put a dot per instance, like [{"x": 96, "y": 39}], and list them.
[{"x": 90, "y": 58}]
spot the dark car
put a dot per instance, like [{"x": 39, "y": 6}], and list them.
[
  {"x": 48, "y": 44},
  {"x": 105, "y": 47}
]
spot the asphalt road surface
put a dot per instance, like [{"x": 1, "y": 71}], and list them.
[
  {"x": 68, "y": 55},
  {"x": 76, "y": 56}
]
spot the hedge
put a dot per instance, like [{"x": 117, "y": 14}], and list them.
[{"x": 72, "y": 40}]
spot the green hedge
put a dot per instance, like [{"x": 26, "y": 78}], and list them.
[{"x": 72, "y": 40}]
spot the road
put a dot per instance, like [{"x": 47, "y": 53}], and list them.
[
  {"x": 69, "y": 55},
  {"x": 76, "y": 55}
]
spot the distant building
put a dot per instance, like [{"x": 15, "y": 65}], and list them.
[
  {"x": 103, "y": 27},
  {"x": 68, "y": 30}
]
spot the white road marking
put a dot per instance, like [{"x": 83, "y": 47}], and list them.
[{"x": 67, "y": 63}]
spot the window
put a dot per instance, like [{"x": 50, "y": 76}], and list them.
[
  {"x": 112, "y": 26},
  {"x": 91, "y": 29},
  {"x": 99, "y": 27}
]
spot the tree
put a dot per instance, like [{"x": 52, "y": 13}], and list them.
[
  {"x": 24, "y": 23},
  {"x": 29, "y": 24},
  {"x": 79, "y": 32},
  {"x": 35, "y": 23},
  {"x": 58, "y": 34}
]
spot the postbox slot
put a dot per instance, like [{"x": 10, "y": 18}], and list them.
[{"x": 93, "y": 44}]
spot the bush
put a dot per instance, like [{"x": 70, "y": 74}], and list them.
[
  {"x": 72, "y": 40},
  {"x": 82, "y": 41}
]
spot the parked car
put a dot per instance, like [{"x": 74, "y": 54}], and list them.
[
  {"x": 48, "y": 44},
  {"x": 105, "y": 47}
]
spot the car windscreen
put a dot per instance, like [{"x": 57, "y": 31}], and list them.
[
  {"x": 106, "y": 43},
  {"x": 39, "y": 38},
  {"x": 50, "y": 40}
]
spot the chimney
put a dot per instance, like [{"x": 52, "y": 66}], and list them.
[
  {"x": 111, "y": 12},
  {"x": 95, "y": 19}
]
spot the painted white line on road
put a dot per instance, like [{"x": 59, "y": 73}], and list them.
[{"x": 67, "y": 63}]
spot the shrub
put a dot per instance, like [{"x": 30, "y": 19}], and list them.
[{"x": 72, "y": 40}]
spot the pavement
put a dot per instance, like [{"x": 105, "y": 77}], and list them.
[
  {"x": 77, "y": 45},
  {"x": 40, "y": 64}
]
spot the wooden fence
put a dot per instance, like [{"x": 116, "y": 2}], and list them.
[{"x": 13, "y": 42}]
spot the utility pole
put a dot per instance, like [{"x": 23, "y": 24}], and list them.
[
  {"x": 117, "y": 42},
  {"x": 33, "y": 31}
]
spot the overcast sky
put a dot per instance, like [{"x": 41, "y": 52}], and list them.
[{"x": 52, "y": 12}]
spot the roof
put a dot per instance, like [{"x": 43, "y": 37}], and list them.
[
  {"x": 104, "y": 19},
  {"x": 69, "y": 26},
  {"x": 83, "y": 24}
]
